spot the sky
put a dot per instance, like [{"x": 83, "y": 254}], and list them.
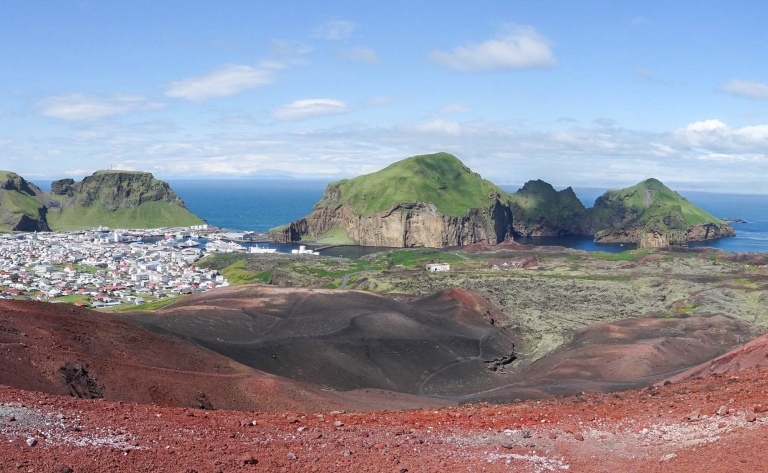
[{"x": 581, "y": 93}]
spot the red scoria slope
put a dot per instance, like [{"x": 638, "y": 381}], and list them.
[
  {"x": 62, "y": 349},
  {"x": 714, "y": 425},
  {"x": 751, "y": 355}
]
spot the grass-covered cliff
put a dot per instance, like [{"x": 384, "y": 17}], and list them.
[
  {"x": 652, "y": 215},
  {"x": 435, "y": 200},
  {"x": 117, "y": 199},
  {"x": 23, "y": 205},
  {"x": 540, "y": 210},
  {"x": 440, "y": 178}
]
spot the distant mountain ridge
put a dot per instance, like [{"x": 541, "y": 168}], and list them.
[
  {"x": 435, "y": 200},
  {"x": 115, "y": 199}
]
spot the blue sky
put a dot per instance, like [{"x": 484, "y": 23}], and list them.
[{"x": 590, "y": 93}]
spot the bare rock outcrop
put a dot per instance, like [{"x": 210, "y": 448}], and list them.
[{"x": 406, "y": 225}]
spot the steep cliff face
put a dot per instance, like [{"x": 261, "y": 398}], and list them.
[
  {"x": 405, "y": 225},
  {"x": 653, "y": 216},
  {"x": 124, "y": 199},
  {"x": 117, "y": 189},
  {"x": 23, "y": 205},
  {"x": 435, "y": 200},
  {"x": 429, "y": 200},
  {"x": 63, "y": 187},
  {"x": 539, "y": 210}
]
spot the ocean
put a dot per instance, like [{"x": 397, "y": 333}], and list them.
[{"x": 258, "y": 205}]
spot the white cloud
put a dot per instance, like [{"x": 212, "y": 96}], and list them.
[
  {"x": 224, "y": 81},
  {"x": 714, "y": 135},
  {"x": 454, "y": 108},
  {"x": 334, "y": 30},
  {"x": 308, "y": 108},
  {"x": 435, "y": 127},
  {"x": 707, "y": 154},
  {"x": 82, "y": 107},
  {"x": 746, "y": 89},
  {"x": 521, "y": 48},
  {"x": 360, "y": 54}
]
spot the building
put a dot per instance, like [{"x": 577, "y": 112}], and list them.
[
  {"x": 438, "y": 267},
  {"x": 256, "y": 249},
  {"x": 304, "y": 251}
]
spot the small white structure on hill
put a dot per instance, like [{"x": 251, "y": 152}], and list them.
[
  {"x": 256, "y": 249},
  {"x": 304, "y": 251},
  {"x": 438, "y": 267}
]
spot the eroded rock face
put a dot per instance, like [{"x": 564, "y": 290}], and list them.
[
  {"x": 539, "y": 210},
  {"x": 23, "y": 205},
  {"x": 661, "y": 239},
  {"x": 654, "y": 240},
  {"x": 121, "y": 190},
  {"x": 709, "y": 231},
  {"x": 63, "y": 187},
  {"x": 406, "y": 225}
]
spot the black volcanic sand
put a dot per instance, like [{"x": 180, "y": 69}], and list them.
[
  {"x": 346, "y": 340},
  {"x": 444, "y": 345}
]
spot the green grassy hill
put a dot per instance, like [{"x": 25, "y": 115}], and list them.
[
  {"x": 652, "y": 215},
  {"x": 438, "y": 178},
  {"x": 650, "y": 198},
  {"x": 22, "y": 204},
  {"x": 118, "y": 199}
]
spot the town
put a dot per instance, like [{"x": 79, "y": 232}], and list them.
[{"x": 103, "y": 269}]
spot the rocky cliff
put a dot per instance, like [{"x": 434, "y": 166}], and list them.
[
  {"x": 429, "y": 200},
  {"x": 23, "y": 205},
  {"x": 405, "y": 225},
  {"x": 436, "y": 201},
  {"x": 653, "y": 216},
  {"x": 539, "y": 210},
  {"x": 123, "y": 199}
]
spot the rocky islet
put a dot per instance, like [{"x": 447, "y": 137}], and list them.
[{"x": 436, "y": 201}]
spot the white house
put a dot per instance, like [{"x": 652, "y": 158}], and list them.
[{"x": 438, "y": 267}]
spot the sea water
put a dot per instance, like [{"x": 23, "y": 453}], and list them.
[{"x": 258, "y": 205}]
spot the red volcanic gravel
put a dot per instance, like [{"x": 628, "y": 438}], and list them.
[{"x": 671, "y": 428}]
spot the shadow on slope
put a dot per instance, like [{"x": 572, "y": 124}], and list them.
[
  {"x": 446, "y": 345},
  {"x": 64, "y": 350},
  {"x": 348, "y": 340}
]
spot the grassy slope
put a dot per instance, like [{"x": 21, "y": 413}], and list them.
[
  {"x": 95, "y": 206},
  {"x": 147, "y": 215},
  {"x": 334, "y": 236},
  {"x": 17, "y": 202},
  {"x": 437, "y": 178},
  {"x": 663, "y": 200},
  {"x": 158, "y": 304}
]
